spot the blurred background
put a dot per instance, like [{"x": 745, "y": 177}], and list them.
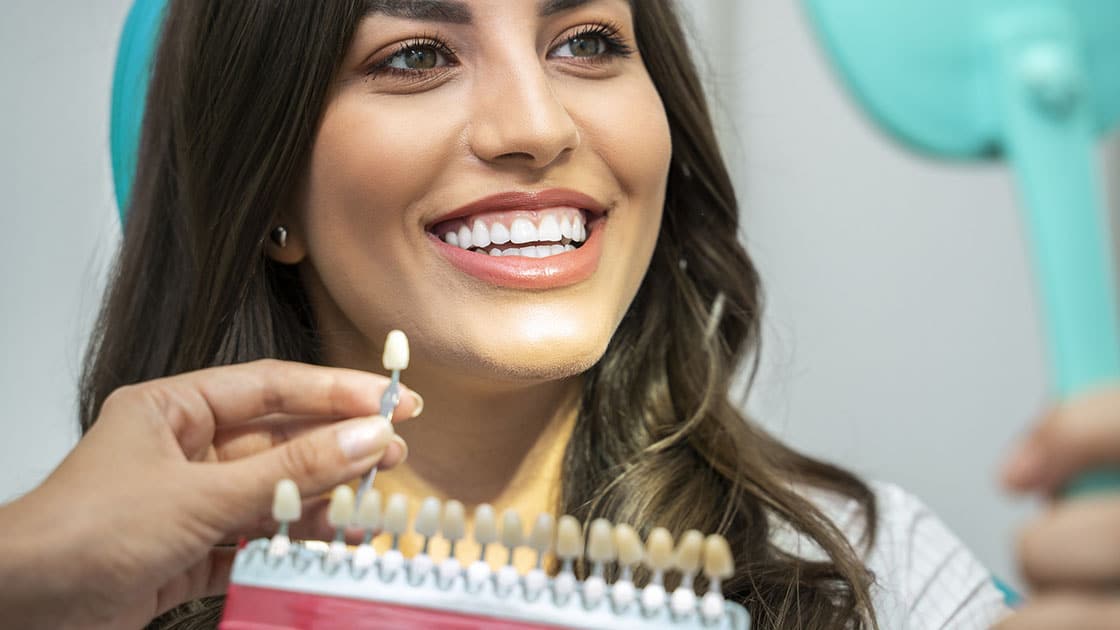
[{"x": 901, "y": 333}]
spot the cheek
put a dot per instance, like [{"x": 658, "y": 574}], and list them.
[
  {"x": 371, "y": 159},
  {"x": 628, "y": 128}
]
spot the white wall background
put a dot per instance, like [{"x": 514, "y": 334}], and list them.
[{"x": 901, "y": 334}]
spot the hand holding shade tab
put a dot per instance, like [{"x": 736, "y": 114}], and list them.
[{"x": 1034, "y": 82}]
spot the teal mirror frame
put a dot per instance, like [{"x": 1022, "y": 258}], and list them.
[
  {"x": 1034, "y": 82},
  {"x": 130, "y": 89}
]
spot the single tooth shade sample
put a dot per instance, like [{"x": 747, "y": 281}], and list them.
[
  {"x": 689, "y": 551},
  {"x": 600, "y": 541},
  {"x": 369, "y": 510},
  {"x": 512, "y": 534},
  {"x": 659, "y": 549},
  {"x": 396, "y": 515},
  {"x": 718, "y": 562},
  {"x": 485, "y": 524},
  {"x": 427, "y": 519},
  {"x": 396, "y": 351},
  {"x": 286, "y": 504},
  {"x": 454, "y": 521},
  {"x": 569, "y": 538},
  {"x": 540, "y": 539},
  {"x": 341, "y": 509},
  {"x": 628, "y": 544}
]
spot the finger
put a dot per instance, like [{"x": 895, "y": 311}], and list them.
[
  {"x": 1081, "y": 434},
  {"x": 1074, "y": 543},
  {"x": 1081, "y": 611},
  {"x": 316, "y": 462},
  {"x": 195, "y": 404}
]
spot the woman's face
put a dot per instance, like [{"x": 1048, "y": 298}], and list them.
[{"x": 489, "y": 177}]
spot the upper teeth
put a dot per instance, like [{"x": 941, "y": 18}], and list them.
[{"x": 562, "y": 226}]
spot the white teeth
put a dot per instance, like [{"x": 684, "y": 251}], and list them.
[
  {"x": 549, "y": 229},
  {"x": 495, "y": 252},
  {"x": 579, "y": 231},
  {"x": 569, "y": 248},
  {"x": 544, "y": 251},
  {"x": 566, "y": 227},
  {"x": 556, "y": 249},
  {"x": 529, "y": 252},
  {"x": 499, "y": 234},
  {"x": 523, "y": 231},
  {"x": 480, "y": 236},
  {"x": 465, "y": 237},
  {"x": 513, "y": 251},
  {"x": 451, "y": 238}
]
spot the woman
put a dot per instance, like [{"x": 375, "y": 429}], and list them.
[{"x": 314, "y": 174}]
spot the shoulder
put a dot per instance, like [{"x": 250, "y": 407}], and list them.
[{"x": 925, "y": 577}]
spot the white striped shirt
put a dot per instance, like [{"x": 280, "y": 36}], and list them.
[{"x": 925, "y": 578}]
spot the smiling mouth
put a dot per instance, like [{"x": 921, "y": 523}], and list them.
[{"x": 525, "y": 233}]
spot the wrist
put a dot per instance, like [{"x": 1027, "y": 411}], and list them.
[{"x": 35, "y": 588}]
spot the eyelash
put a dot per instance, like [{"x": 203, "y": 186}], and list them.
[{"x": 616, "y": 47}]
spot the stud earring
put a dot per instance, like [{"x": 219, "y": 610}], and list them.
[{"x": 279, "y": 236}]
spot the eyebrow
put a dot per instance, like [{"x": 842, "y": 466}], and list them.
[{"x": 452, "y": 11}]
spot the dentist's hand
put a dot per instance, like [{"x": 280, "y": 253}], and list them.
[
  {"x": 1070, "y": 554},
  {"x": 125, "y": 528}
]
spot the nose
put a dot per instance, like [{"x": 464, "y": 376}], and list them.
[{"x": 518, "y": 119}]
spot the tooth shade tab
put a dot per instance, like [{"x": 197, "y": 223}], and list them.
[
  {"x": 512, "y": 534},
  {"x": 659, "y": 549},
  {"x": 369, "y": 510},
  {"x": 453, "y": 525},
  {"x": 569, "y": 538},
  {"x": 396, "y": 515},
  {"x": 718, "y": 561},
  {"x": 628, "y": 544},
  {"x": 427, "y": 519},
  {"x": 340, "y": 511},
  {"x": 286, "y": 502},
  {"x": 600, "y": 541},
  {"x": 396, "y": 351},
  {"x": 485, "y": 525},
  {"x": 689, "y": 549},
  {"x": 540, "y": 538}
]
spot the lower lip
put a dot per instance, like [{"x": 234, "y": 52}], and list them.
[{"x": 519, "y": 272}]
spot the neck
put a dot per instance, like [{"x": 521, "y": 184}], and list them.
[{"x": 504, "y": 447}]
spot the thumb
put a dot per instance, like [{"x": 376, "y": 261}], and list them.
[{"x": 316, "y": 461}]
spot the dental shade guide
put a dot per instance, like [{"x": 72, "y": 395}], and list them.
[
  {"x": 322, "y": 583},
  {"x": 394, "y": 358}
]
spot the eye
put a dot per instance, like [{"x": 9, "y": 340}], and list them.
[
  {"x": 595, "y": 42},
  {"x": 417, "y": 57},
  {"x": 589, "y": 45}
]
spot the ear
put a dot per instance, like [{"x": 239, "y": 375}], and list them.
[{"x": 285, "y": 244}]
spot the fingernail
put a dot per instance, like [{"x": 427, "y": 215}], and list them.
[
  {"x": 419, "y": 402},
  {"x": 365, "y": 438},
  {"x": 1025, "y": 466}
]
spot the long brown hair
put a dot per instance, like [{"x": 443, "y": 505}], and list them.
[{"x": 235, "y": 99}]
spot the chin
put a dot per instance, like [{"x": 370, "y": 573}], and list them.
[{"x": 535, "y": 349}]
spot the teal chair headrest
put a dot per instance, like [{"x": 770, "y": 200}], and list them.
[{"x": 130, "y": 88}]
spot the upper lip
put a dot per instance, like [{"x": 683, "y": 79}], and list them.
[{"x": 530, "y": 200}]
